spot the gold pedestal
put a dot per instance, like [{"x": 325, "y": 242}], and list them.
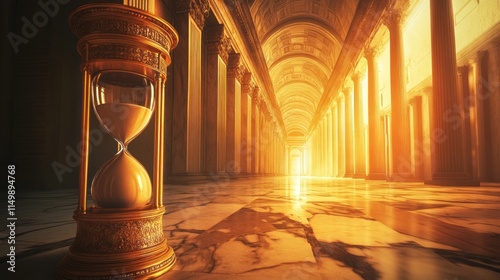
[{"x": 118, "y": 245}]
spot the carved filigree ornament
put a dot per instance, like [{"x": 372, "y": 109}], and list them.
[{"x": 110, "y": 33}]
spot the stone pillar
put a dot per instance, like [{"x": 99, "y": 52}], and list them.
[
  {"x": 400, "y": 132},
  {"x": 359, "y": 127},
  {"x": 349, "y": 133},
  {"x": 233, "y": 111},
  {"x": 480, "y": 107},
  {"x": 448, "y": 157},
  {"x": 254, "y": 128},
  {"x": 329, "y": 144},
  {"x": 416, "y": 136},
  {"x": 335, "y": 140},
  {"x": 494, "y": 98},
  {"x": 249, "y": 130},
  {"x": 246, "y": 89},
  {"x": 465, "y": 115},
  {"x": 376, "y": 163},
  {"x": 341, "y": 136},
  {"x": 218, "y": 47},
  {"x": 256, "y": 138},
  {"x": 186, "y": 103}
]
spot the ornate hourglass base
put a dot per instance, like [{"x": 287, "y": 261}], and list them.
[{"x": 121, "y": 245}]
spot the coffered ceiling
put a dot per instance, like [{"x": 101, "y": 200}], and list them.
[
  {"x": 307, "y": 48},
  {"x": 301, "y": 41}
]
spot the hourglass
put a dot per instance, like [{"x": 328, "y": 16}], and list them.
[
  {"x": 125, "y": 52},
  {"x": 123, "y": 103}
]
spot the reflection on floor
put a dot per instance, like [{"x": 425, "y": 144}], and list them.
[{"x": 295, "y": 228}]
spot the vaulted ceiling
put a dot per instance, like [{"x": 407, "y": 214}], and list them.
[
  {"x": 306, "y": 49},
  {"x": 301, "y": 41}
]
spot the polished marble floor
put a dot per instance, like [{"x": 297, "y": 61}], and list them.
[{"x": 294, "y": 228}]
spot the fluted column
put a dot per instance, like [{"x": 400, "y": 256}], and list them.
[
  {"x": 247, "y": 88},
  {"x": 400, "y": 132},
  {"x": 448, "y": 158},
  {"x": 253, "y": 123},
  {"x": 376, "y": 162},
  {"x": 359, "y": 127},
  {"x": 218, "y": 47},
  {"x": 480, "y": 108},
  {"x": 186, "y": 102},
  {"x": 494, "y": 104},
  {"x": 329, "y": 144},
  {"x": 233, "y": 109},
  {"x": 341, "y": 136},
  {"x": 465, "y": 114},
  {"x": 335, "y": 140},
  {"x": 349, "y": 133},
  {"x": 256, "y": 138},
  {"x": 416, "y": 128}
]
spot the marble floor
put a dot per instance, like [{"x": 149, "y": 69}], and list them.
[{"x": 293, "y": 228}]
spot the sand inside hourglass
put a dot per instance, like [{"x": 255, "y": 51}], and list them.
[{"x": 123, "y": 120}]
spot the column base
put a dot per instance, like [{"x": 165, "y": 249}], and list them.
[
  {"x": 349, "y": 175},
  {"x": 452, "y": 179},
  {"x": 376, "y": 176},
  {"x": 359, "y": 176},
  {"x": 403, "y": 177}
]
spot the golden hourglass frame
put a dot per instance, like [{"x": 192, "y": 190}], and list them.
[{"x": 125, "y": 54}]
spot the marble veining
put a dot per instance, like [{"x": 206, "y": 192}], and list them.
[{"x": 295, "y": 228}]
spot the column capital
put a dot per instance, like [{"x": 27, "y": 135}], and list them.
[
  {"x": 247, "y": 85},
  {"x": 372, "y": 52},
  {"x": 357, "y": 76},
  {"x": 235, "y": 69},
  {"x": 393, "y": 18},
  {"x": 463, "y": 70},
  {"x": 197, "y": 9},
  {"x": 218, "y": 42},
  {"x": 495, "y": 43},
  {"x": 346, "y": 90},
  {"x": 477, "y": 57},
  {"x": 415, "y": 99},
  {"x": 340, "y": 96},
  {"x": 255, "y": 94},
  {"x": 246, "y": 79}
]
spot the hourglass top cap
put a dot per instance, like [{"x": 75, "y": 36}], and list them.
[{"x": 109, "y": 31}]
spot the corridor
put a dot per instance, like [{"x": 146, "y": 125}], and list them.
[{"x": 297, "y": 228}]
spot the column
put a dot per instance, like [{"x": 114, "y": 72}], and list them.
[
  {"x": 186, "y": 102},
  {"x": 249, "y": 130},
  {"x": 400, "y": 131},
  {"x": 448, "y": 158},
  {"x": 359, "y": 127},
  {"x": 329, "y": 144},
  {"x": 233, "y": 114},
  {"x": 253, "y": 143},
  {"x": 246, "y": 89},
  {"x": 341, "y": 136},
  {"x": 218, "y": 46},
  {"x": 376, "y": 162},
  {"x": 465, "y": 114},
  {"x": 257, "y": 137},
  {"x": 349, "y": 133},
  {"x": 494, "y": 82},
  {"x": 480, "y": 107},
  {"x": 416, "y": 136},
  {"x": 335, "y": 139}
]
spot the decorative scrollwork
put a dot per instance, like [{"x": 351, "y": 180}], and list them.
[
  {"x": 118, "y": 236},
  {"x": 124, "y": 52}
]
